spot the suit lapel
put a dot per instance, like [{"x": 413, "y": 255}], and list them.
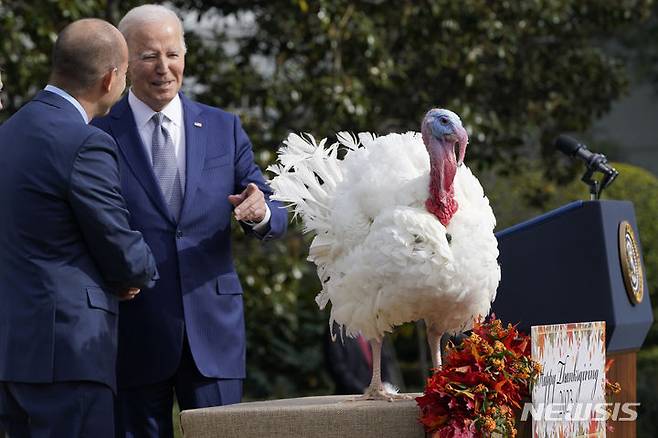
[
  {"x": 195, "y": 149},
  {"x": 130, "y": 143}
]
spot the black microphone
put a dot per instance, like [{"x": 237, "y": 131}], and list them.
[{"x": 595, "y": 162}]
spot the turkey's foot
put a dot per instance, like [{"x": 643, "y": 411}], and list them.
[{"x": 380, "y": 393}]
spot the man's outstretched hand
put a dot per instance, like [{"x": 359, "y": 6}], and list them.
[{"x": 249, "y": 205}]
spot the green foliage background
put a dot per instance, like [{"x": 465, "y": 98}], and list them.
[{"x": 516, "y": 72}]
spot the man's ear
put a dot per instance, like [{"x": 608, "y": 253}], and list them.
[{"x": 108, "y": 80}]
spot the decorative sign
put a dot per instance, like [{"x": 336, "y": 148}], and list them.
[
  {"x": 568, "y": 399},
  {"x": 631, "y": 265}
]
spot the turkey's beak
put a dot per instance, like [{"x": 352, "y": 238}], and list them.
[{"x": 462, "y": 142}]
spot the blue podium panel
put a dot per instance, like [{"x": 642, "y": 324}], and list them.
[{"x": 565, "y": 266}]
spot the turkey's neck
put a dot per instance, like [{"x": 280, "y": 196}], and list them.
[{"x": 443, "y": 167}]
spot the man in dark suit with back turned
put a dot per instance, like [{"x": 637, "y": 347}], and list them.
[
  {"x": 185, "y": 169},
  {"x": 67, "y": 253}
]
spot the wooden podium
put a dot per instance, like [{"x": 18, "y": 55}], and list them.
[{"x": 580, "y": 263}]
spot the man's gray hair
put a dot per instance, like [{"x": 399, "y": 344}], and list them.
[{"x": 148, "y": 14}]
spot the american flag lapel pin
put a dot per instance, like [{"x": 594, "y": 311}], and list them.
[{"x": 198, "y": 124}]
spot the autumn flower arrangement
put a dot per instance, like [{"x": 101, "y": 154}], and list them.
[{"x": 479, "y": 388}]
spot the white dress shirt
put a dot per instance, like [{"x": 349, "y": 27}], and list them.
[{"x": 173, "y": 122}]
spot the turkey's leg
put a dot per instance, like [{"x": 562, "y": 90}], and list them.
[
  {"x": 434, "y": 340},
  {"x": 376, "y": 380},
  {"x": 376, "y": 390}
]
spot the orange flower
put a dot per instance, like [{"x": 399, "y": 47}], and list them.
[
  {"x": 489, "y": 424},
  {"x": 497, "y": 363},
  {"x": 475, "y": 338}
]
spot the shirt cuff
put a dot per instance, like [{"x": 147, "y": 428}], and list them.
[{"x": 262, "y": 225}]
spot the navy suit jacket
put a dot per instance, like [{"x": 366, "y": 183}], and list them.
[
  {"x": 199, "y": 294},
  {"x": 65, "y": 247}
]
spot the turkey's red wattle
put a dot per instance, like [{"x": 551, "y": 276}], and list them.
[
  {"x": 443, "y": 212},
  {"x": 441, "y": 202}
]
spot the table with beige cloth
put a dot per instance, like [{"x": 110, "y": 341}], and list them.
[{"x": 332, "y": 416}]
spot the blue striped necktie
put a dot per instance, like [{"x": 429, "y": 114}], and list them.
[{"x": 164, "y": 165}]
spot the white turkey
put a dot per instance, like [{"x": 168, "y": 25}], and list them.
[{"x": 403, "y": 230}]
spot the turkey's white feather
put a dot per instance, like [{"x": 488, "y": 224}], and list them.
[{"x": 383, "y": 259}]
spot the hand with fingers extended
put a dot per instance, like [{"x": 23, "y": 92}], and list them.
[
  {"x": 249, "y": 205},
  {"x": 128, "y": 294}
]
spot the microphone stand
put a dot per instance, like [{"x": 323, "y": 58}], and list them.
[{"x": 596, "y": 187}]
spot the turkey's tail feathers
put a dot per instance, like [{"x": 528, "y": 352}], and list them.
[{"x": 306, "y": 177}]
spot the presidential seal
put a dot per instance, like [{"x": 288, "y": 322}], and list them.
[{"x": 631, "y": 266}]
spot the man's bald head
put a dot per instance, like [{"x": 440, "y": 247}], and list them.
[{"x": 84, "y": 51}]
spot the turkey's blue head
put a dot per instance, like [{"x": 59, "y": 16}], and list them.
[
  {"x": 442, "y": 127},
  {"x": 445, "y": 139}
]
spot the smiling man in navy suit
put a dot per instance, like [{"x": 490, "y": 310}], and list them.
[
  {"x": 67, "y": 253},
  {"x": 186, "y": 168}
]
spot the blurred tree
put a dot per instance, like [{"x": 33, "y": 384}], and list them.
[
  {"x": 517, "y": 72},
  {"x": 28, "y": 30},
  {"x": 640, "y": 47}
]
